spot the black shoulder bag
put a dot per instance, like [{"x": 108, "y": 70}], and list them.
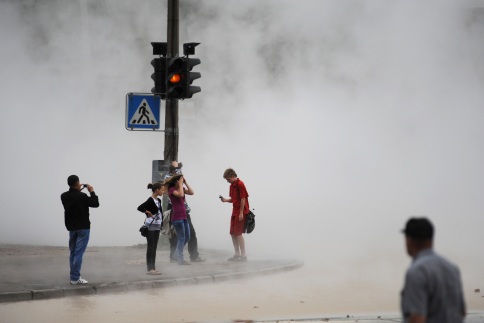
[{"x": 144, "y": 229}]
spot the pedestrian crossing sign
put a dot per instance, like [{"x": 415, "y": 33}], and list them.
[{"x": 142, "y": 111}]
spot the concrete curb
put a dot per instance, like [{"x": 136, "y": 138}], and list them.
[{"x": 38, "y": 294}]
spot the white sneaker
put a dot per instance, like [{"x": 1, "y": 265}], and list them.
[{"x": 80, "y": 281}]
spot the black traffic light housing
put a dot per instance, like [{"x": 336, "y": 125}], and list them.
[
  {"x": 159, "y": 76},
  {"x": 188, "y": 89},
  {"x": 173, "y": 76}
]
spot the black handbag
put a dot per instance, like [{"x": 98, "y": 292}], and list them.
[{"x": 144, "y": 229}]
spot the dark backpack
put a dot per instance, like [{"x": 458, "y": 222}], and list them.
[{"x": 249, "y": 222}]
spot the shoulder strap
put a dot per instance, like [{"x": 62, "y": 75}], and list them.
[
  {"x": 246, "y": 199},
  {"x": 160, "y": 209},
  {"x": 161, "y": 205}
]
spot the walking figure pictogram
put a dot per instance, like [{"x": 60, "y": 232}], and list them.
[{"x": 144, "y": 114}]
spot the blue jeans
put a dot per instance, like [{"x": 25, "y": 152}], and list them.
[
  {"x": 183, "y": 233},
  {"x": 78, "y": 240}
]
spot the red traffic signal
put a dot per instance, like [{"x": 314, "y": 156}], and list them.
[{"x": 174, "y": 77}]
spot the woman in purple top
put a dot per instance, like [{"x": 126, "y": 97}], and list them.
[{"x": 177, "y": 188}]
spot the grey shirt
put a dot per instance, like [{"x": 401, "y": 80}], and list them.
[{"x": 433, "y": 288}]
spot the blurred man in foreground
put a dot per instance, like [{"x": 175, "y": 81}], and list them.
[{"x": 433, "y": 289}]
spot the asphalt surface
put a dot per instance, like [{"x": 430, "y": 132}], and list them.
[{"x": 38, "y": 272}]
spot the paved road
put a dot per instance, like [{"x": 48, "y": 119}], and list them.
[
  {"x": 471, "y": 318},
  {"x": 39, "y": 272}
]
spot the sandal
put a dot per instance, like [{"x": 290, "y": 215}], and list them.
[
  {"x": 241, "y": 259},
  {"x": 154, "y": 272}
]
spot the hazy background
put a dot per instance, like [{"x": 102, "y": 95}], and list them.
[{"x": 343, "y": 118}]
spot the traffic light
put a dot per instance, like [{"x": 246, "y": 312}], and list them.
[
  {"x": 189, "y": 77},
  {"x": 159, "y": 76},
  {"x": 174, "y": 77}
]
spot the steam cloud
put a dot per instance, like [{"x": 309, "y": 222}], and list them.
[{"x": 342, "y": 117}]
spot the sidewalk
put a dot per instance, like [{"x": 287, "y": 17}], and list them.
[{"x": 40, "y": 272}]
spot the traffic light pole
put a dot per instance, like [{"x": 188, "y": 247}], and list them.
[{"x": 171, "y": 108}]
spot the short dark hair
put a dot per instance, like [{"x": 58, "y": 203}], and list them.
[
  {"x": 72, "y": 180},
  {"x": 229, "y": 172},
  {"x": 419, "y": 229}
]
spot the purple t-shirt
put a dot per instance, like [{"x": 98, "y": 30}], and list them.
[{"x": 178, "y": 206}]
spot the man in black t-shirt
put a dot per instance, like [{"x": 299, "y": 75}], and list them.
[{"x": 76, "y": 217}]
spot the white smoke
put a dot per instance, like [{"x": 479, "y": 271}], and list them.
[{"x": 343, "y": 119}]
